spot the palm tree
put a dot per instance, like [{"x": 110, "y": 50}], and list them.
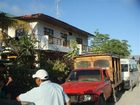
[
  {"x": 5, "y": 22},
  {"x": 22, "y": 47}
]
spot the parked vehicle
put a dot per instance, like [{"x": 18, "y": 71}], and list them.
[
  {"x": 88, "y": 86},
  {"x": 130, "y": 73},
  {"x": 87, "y": 65}
]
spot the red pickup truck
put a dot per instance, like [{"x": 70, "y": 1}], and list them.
[{"x": 88, "y": 86}]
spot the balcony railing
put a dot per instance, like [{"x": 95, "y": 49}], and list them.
[
  {"x": 54, "y": 40},
  {"x": 84, "y": 48},
  {"x": 59, "y": 42}
]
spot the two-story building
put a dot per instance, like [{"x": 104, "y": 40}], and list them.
[{"x": 53, "y": 35}]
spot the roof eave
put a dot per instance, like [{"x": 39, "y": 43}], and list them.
[{"x": 51, "y": 20}]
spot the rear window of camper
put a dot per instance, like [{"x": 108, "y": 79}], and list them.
[{"x": 124, "y": 67}]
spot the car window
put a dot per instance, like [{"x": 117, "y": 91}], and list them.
[
  {"x": 135, "y": 67},
  {"x": 124, "y": 67},
  {"x": 85, "y": 75}
]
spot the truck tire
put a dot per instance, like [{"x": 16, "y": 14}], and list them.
[
  {"x": 101, "y": 100},
  {"x": 114, "y": 97}
]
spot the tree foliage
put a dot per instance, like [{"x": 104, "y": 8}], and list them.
[
  {"x": 99, "y": 41},
  {"x": 58, "y": 70},
  {"x": 6, "y": 21},
  {"x": 71, "y": 54},
  {"x": 103, "y": 44},
  {"x": 24, "y": 46},
  {"x": 74, "y": 50}
]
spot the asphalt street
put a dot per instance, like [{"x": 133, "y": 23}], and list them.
[{"x": 128, "y": 97}]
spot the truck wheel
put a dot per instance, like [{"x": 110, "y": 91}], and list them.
[
  {"x": 112, "y": 98},
  {"x": 101, "y": 100},
  {"x": 114, "y": 95}
]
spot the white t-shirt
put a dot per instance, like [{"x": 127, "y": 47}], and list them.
[{"x": 47, "y": 93}]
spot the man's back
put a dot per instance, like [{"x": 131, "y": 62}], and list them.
[
  {"x": 51, "y": 94},
  {"x": 46, "y": 94}
]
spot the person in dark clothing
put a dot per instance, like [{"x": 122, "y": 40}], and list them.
[{"x": 5, "y": 82}]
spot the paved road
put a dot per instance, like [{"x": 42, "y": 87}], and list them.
[{"x": 128, "y": 97}]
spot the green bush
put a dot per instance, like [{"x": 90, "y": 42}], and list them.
[{"x": 58, "y": 71}]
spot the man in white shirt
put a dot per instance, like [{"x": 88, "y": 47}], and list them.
[{"x": 47, "y": 93}]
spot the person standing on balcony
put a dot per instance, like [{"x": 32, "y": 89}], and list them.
[{"x": 47, "y": 93}]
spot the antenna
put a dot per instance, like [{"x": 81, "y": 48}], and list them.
[{"x": 57, "y": 8}]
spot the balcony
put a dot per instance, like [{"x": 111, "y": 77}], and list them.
[
  {"x": 56, "y": 44},
  {"x": 58, "y": 41}
]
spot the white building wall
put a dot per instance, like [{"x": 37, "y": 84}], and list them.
[
  {"x": 59, "y": 30},
  {"x": 38, "y": 29},
  {"x": 11, "y": 32},
  {"x": 34, "y": 27}
]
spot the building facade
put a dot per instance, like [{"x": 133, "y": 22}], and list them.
[{"x": 53, "y": 34}]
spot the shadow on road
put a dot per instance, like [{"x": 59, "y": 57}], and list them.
[{"x": 119, "y": 95}]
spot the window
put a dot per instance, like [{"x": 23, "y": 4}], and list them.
[
  {"x": 124, "y": 67},
  {"x": 135, "y": 67},
  {"x": 64, "y": 36},
  {"x": 79, "y": 40},
  {"x": 101, "y": 63},
  {"x": 48, "y": 31},
  {"x": 83, "y": 64},
  {"x": 19, "y": 33},
  {"x": 85, "y": 75},
  {"x": 70, "y": 33}
]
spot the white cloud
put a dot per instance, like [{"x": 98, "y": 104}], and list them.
[
  {"x": 20, "y": 7},
  {"x": 17, "y": 10},
  {"x": 9, "y": 8},
  {"x": 26, "y": 7}
]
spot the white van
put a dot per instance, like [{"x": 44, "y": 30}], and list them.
[{"x": 130, "y": 73}]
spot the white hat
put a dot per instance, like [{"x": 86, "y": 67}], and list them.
[{"x": 42, "y": 74}]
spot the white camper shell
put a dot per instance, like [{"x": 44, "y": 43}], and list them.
[{"x": 130, "y": 73}]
